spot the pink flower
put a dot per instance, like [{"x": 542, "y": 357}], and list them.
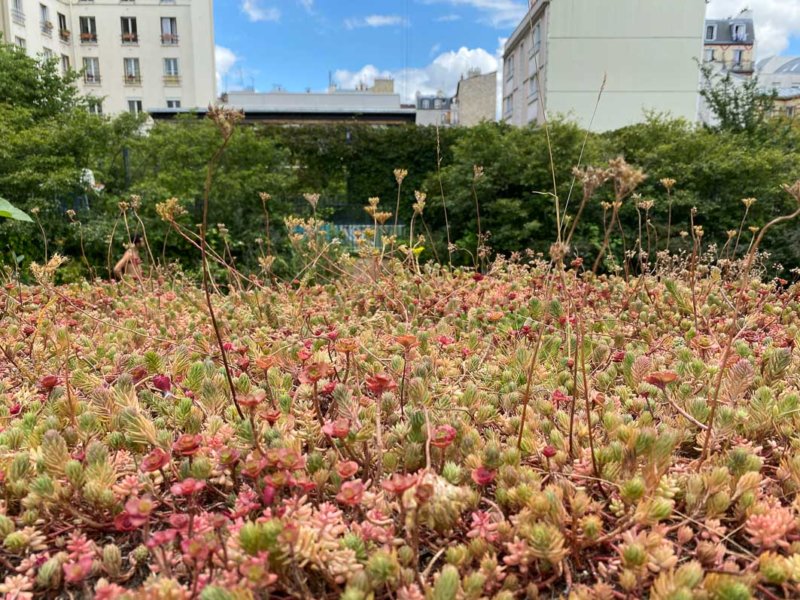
[
  {"x": 380, "y": 383},
  {"x": 351, "y": 492},
  {"x": 347, "y": 469},
  {"x": 483, "y": 476},
  {"x": 445, "y": 340},
  {"x": 187, "y": 487},
  {"x": 162, "y": 383},
  {"x": 139, "y": 509},
  {"x": 159, "y": 538}
]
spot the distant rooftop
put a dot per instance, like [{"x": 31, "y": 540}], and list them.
[{"x": 733, "y": 30}]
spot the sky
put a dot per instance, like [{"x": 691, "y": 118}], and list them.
[{"x": 424, "y": 45}]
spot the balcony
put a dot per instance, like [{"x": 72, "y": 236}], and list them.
[
  {"x": 133, "y": 80},
  {"x": 18, "y": 16},
  {"x": 65, "y": 34},
  {"x": 130, "y": 38},
  {"x": 172, "y": 80},
  {"x": 169, "y": 39},
  {"x": 88, "y": 38},
  {"x": 47, "y": 27},
  {"x": 91, "y": 79}
]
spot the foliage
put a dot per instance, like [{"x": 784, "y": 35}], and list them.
[
  {"x": 550, "y": 440},
  {"x": 739, "y": 104}
]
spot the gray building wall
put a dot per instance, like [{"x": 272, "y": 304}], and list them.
[{"x": 476, "y": 99}]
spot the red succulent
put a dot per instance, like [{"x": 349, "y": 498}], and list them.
[
  {"x": 661, "y": 379},
  {"x": 187, "y": 487},
  {"x": 443, "y": 436},
  {"x": 157, "y": 459},
  {"x": 347, "y": 469},
  {"x": 399, "y": 483},
  {"x": 380, "y": 383},
  {"x": 48, "y": 382},
  {"x": 351, "y": 492},
  {"x": 340, "y": 428},
  {"x": 187, "y": 445},
  {"x": 483, "y": 476},
  {"x": 162, "y": 383}
]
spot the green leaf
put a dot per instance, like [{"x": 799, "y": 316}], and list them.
[{"x": 8, "y": 211}]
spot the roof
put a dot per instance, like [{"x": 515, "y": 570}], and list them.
[
  {"x": 301, "y": 115},
  {"x": 790, "y": 66},
  {"x": 524, "y": 26},
  {"x": 724, "y": 31}
]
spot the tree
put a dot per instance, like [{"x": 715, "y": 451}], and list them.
[
  {"x": 738, "y": 104},
  {"x": 36, "y": 84}
]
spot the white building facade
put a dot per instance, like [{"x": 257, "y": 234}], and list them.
[
  {"x": 647, "y": 52},
  {"x": 133, "y": 55}
]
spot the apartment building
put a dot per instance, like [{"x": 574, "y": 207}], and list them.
[
  {"x": 435, "y": 109},
  {"x": 781, "y": 74},
  {"x": 133, "y": 55},
  {"x": 646, "y": 51},
  {"x": 729, "y": 44},
  {"x": 475, "y": 99}
]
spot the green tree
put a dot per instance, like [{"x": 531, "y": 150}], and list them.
[{"x": 739, "y": 104}]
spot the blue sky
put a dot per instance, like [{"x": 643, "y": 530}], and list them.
[{"x": 424, "y": 44}]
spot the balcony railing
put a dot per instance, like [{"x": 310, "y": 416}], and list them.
[
  {"x": 18, "y": 16},
  {"x": 65, "y": 34},
  {"x": 88, "y": 38},
  {"x": 47, "y": 27},
  {"x": 172, "y": 79},
  {"x": 133, "y": 80},
  {"x": 169, "y": 39},
  {"x": 130, "y": 38},
  {"x": 91, "y": 78}
]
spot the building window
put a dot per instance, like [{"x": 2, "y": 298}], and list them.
[
  {"x": 536, "y": 38},
  {"x": 17, "y": 12},
  {"x": 173, "y": 103},
  {"x": 711, "y": 32},
  {"x": 88, "y": 30},
  {"x": 508, "y": 106},
  {"x": 91, "y": 69},
  {"x": 169, "y": 30},
  {"x": 426, "y": 104},
  {"x": 790, "y": 111},
  {"x": 709, "y": 55},
  {"x": 65, "y": 66},
  {"x": 133, "y": 76},
  {"x": 737, "y": 57},
  {"x": 47, "y": 53},
  {"x": 134, "y": 106},
  {"x": 95, "y": 106},
  {"x": 533, "y": 86},
  {"x": 63, "y": 30},
  {"x": 509, "y": 68},
  {"x": 20, "y": 42},
  {"x": 44, "y": 20},
  {"x": 739, "y": 32},
  {"x": 130, "y": 33},
  {"x": 437, "y": 103},
  {"x": 171, "y": 74}
]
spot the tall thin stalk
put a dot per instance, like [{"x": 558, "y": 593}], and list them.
[{"x": 225, "y": 120}]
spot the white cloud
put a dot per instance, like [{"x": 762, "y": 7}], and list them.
[
  {"x": 442, "y": 74},
  {"x": 225, "y": 58},
  {"x": 374, "y": 21},
  {"x": 775, "y": 21},
  {"x": 307, "y": 4},
  {"x": 499, "y": 13},
  {"x": 256, "y": 13},
  {"x": 435, "y": 48},
  {"x": 448, "y": 18}
]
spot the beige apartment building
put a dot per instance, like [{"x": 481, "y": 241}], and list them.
[
  {"x": 729, "y": 44},
  {"x": 133, "y": 55},
  {"x": 646, "y": 50},
  {"x": 475, "y": 99}
]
